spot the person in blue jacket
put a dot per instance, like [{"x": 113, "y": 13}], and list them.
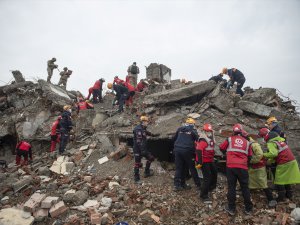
[{"x": 235, "y": 76}]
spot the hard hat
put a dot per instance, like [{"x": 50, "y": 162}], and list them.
[
  {"x": 224, "y": 70},
  {"x": 109, "y": 85},
  {"x": 144, "y": 118},
  {"x": 190, "y": 121},
  {"x": 102, "y": 79},
  {"x": 271, "y": 120},
  {"x": 67, "y": 107},
  {"x": 245, "y": 133},
  {"x": 207, "y": 127},
  {"x": 65, "y": 68},
  {"x": 237, "y": 128},
  {"x": 263, "y": 132}
]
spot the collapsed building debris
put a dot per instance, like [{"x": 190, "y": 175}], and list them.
[{"x": 92, "y": 184}]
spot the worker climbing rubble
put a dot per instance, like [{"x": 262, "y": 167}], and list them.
[
  {"x": 235, "y": 76},
  {"x": 23, "y": 149},
  {"x": 55, "y": 134}
]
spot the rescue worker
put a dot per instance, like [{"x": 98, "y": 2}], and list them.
[
  {"x": 287, "y": 170},
  {"x": 97, "y": 90},
  {"x": 90, "y": 93},
  {"x": 235, "y": 76},
  {"x": 184, "y": 151},
  {"x": 23, "y": 148},
  {"x": 117, "y": 80},
  {"x": 141, "y": 85},
  {"x": 65, "y": 128},
  {"x": 238, "y": 154},
  {"x": 140, "y": 149},
  {"x": 64, "y": 76},
  {"x": 55, "y": 134},
  {"x": 83, "y": 105},
  {"x": 205, "y": 153},
  {"x": 50, "y": 67},
  {"x": 257, "y": 170},
  {"x": 121, "y": 94},
  {"x": 218, "y": 79},
  {"x": 273, "y": 125},
  {"x": 133, "y": 72},
  {"x": 131, "y": 93}
]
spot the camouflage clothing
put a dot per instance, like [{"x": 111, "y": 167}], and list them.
[
  {"x": 50, "y": 67},
  {"x": 64, "y": 75}
]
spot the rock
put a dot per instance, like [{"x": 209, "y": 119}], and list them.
[
  {"x": 292, "y": 205},
  {"x": 5, "y": 200},
  {"x": 119, "y": 153},
  {"x": 22, "y": 183},
  {"x": 106, "y": 202},
  {"x": 95, "y": 218},
  {"x": 48, "y": 202},
  {"x": 91, "y": 204},
  {"x": 112, "y": 184},
  {"x": 103, "y": 209},
  {"x": 222, "y": 101},
  {"x": 103, "y": 160},
  {"x": 255, "y": 108},
  {"x": 87, "y": 179},
  {"x": 68, "y": 196},
  {"x": 235, "y": 112},
  {"x": 80, "y": 197},
  {"x": 34, "y": 201},
  {"x": 11, "y": 216},
  {"x": 84, "y": 148},
  {"x": 265, "y": 96},
  {"x": 66, "y": 167},
  {"x": 194, "y": 115},
  {"x": 296, "y": 215},
  {"x": 40, "y": 215},
  {"x": 44, "y": 171},
  {"x": 18, "y": 76},
  {"x": 105, "y": 219},
  {"x": 118, "y": 212},
  {"x": 99, "y": 118},
  {"x": 150, "y": 110},
  {"x": 293, "y": 125}
]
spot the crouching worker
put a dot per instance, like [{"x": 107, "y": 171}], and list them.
[
  {"x": 55, "y": 134},
  {"x": 205, "y": 153},
  {"x": 257, "y": 170},
  {"x": 23, "y": 148},
  {"x": 140, "y": 149},
  {"x": 287, "y": 169}
]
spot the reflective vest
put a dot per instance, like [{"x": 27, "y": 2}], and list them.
[
  {"x": 24, "y": 146},
  {"x": 82, "y": 105},
  {"x": 237, "y": 152},
  {"x": 284, "y": 153},
  {"x": 209, "y": 152},
  {"x": 55, "y": 127}
]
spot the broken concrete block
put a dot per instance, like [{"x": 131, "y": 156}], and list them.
[
  {"x": 106, "y": 219},
  {"x": 44, "y": 171},
  {"x": 235, "y": 112},
  {"x": 112, "y": 184},
  {"x": 263, "y": 96},
  {"x": 91, "y": 204},
  {"x": 106, "y": 201},
  {"x": 255, "y": 108},
  {"x": 48, "y": 202},
  {"x": 56, "y": 167},
  {"x": 118, "y": 154},
  {"x": 68, "y": 196},
  {"x": 12, "y": 216},
  {"x": 95, "y": 218},
  {"x": 296, "y": 215},
  {"x": 66, "y": 167},
  {"x": 103, "y": 160},
  {"x": 22, "y": 183},
  {"x": 174, "y": 95},
  {"x": 223, "y": 102},
  {"x": 40, "y": 215},
  {"x": 80, "y": 197},
  {"x": 194, "y": 115},
  {"x": 58, "y": 209},
  {"x": 103, "y": 209},
  {"x": 87, "y": 178},
  {"x": 33, "y": 202},
  {"x": 84, "y": 147},
  {"x": 293, "y": 125}
]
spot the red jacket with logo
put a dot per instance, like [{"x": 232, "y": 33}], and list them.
[
  {"x": 238, "y": 149},
  {"x": 207, "y": 151}
]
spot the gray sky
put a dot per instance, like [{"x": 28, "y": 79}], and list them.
[{"x": 194, "y": 38}]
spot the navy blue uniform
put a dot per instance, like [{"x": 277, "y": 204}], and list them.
[
  {"x": 65, "y": 125},
  {"x": 219, "y": 78},
  {"x": 184, "y": 150},
  {"x": 237, "y": 76},
  {"x": 140, "y": 150},
  {"x": 121, "y": 95}
]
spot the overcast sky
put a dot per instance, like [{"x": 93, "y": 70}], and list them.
[{"x": 194, "y": 38}]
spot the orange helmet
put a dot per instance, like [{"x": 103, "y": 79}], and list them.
[
  {"x": 109, "y": 85},
  {"x": 237, "y": 128},
  {"x": 272, "y": 119},
  {"x": 207, "y": 127}
]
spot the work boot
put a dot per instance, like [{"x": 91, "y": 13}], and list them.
[
  {"x": 137, "y": 181},
  {"x": 230, "y": 211},
  {"x": 148, "y": 173}
]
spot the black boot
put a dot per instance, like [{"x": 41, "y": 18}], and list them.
[
  {"x": 148, "y": 173},
  {"x": 137, "y": 176}
]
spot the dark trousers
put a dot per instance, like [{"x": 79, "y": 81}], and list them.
[
  {"x": 239, "y": 87},
  {"x": 97, "y": 95},
  {"x": 210, "y": 175},
  {"x": 19, "y": 157},
  {"x": 284, "y": 191},
  {"x": 121, "y": 101},
  {"x": 64, "y": 138},
  {"x": 140, "y": 152},
  {"x": 268, "y": 194},
  {"x": 241, "y": 175},
  {"x": 184, "y": 158}
]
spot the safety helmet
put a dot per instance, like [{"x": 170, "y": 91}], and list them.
[
  {"x": 263, "y": 132},
  {"x": 271, "y": 120},
  {"x": 237, "y": 128},
  {"x": 207, "y": 127},
  {"x": 190, "y": 121},
  {"x": 245, "y": 133},
  {"x": 144, "y": 119},
  {"x": 67, "y": 107},
  {"x": 109, "y": 85},
  {"x": 224, "y": 70},
  {"x": 102, "y": 79}
]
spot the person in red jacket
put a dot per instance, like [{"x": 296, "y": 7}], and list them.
[
  {"x": 205, "y": 153},
  {"x": 83, "y": 105},
  {"x": 90, "y": 93},
  {"x": 118, "y": 81},
  {"x": 23, "y": 148},
  {"x": 141, "y": 85},
  {"x": 97, "y": 91},
  {"x": 131, "y": 93},
  {"x": 238, "y": 154},
  {"x": 55, "y": 134}
]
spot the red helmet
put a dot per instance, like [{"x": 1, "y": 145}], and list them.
[
  {"x": 245, "y": 133},
  {"x": 237, "y": 128},
  {"x": 263, "y": 132},
  {"x": 207, "y": 127},
  {"x": 59, "y": 117}
]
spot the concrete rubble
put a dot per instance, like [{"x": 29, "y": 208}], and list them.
[{"x": 93, "y": 182}]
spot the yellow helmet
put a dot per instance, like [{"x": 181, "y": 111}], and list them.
[
  {"x": 224, "y": 70},
  {"x": 271, "y": 120},
  {"x": 144, "y": 118},
  {"x": 109, "y": 85},
  {"x": 67, "y": 107},
  {"x": 190, "y": 121}
]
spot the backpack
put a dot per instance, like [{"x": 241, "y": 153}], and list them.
[{"x": 134, "y": 69}]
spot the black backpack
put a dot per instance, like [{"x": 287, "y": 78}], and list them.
[{"x": 134, "y": 69}]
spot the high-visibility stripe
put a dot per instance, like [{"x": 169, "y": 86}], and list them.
[{"x": 232, "y": 149}]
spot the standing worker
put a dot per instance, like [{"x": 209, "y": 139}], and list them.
[
  {"x": 64, "y": 76},
  {"x": 131, "y": 93},
  {"x": 55, "y": 134},
  {"x": 97, "y": 90},
  {"x": 287, "y": 169},
  {"x": 238, "y": 154},
  {"x": 90, "y": 93},
  {"x": 140, "y": 149},
  {"x": 50, "y": 67},
  {"x": 205, "y": 152},
  {"x": 184, "y": 150},
  {"x": 65, "y": 128},
  {"x": 235, "y": 76},
  {"x": 273, "y": 125},
  {"x": 121, "y": 94},
  {"x": 23, "y": 148},
  {"x": 133, "y": 72}
]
